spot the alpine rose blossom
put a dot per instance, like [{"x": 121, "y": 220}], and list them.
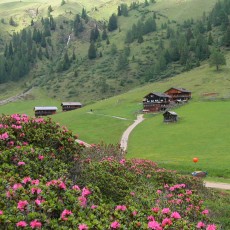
[
  {"x": 205, "y": 212},
  {"x": 115, "y": 225},
  {"x": 85, "y": 192},
  {"x": 165, "y": 210},
  {"x": 1, "y": 212},
  {"x": 21, "y": 163},
  {"x": 76, "y": 187},
  {"x": 121, "y": 207},
  {"x": 200, "y": 225},
  {"x": 211, "y": 227},
  {"x": 35, "y": 224},
  {"x": 175, "y": 215},
  {"x": 65, "y": 213},
  {"x": 22, "y": 204},
  {"x": 83, "y": 227},
  {"x": 166, "y": 221},
  {"x": 154, "y": 225},
  {"x": 21, "y": 224}
]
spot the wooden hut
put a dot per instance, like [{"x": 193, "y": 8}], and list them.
[
  {"x": 179, "y": 95},
  {"x": 170, "y": 116},
  {"x": 155, "y": 102},
  {"x": 44, "y": 111},
  {"x": 66, "y": 106}
]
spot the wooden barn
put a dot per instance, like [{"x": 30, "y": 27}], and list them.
[
  {"x": 170, "y": 116},
  {"x": 155, "y": 102},
  {"x": 44, "y": 111},
  {"x": 179, "y": 95},
  {"x": 67, "y": 106}
]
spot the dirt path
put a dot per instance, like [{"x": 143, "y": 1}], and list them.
[
  {"x": 125, "y": 136},
  {"x": 15, "y": 98},
  {"x": 218, "y": 185}
]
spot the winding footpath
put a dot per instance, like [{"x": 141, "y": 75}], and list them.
[{"x": 125, "y": 136}]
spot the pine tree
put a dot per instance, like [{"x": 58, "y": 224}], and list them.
[
  {"x": 66, "y": 62},
  {"x": 210, "y": 39},
  {"x": 84, "y": 14},
  {"x": 140, "y": 39},
  {"x": 104, "y": 34},
  {"x": 92, "y": 52},
  {"x": 112, "y": 25}
]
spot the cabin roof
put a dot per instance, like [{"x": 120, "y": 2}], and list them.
[
  {"x": 159, "y": 94},
  {"x": 45, "y": 108},
  {"x": 171, "y": 112},
  {"x": 71, "y": 103},
  {"x": 179, "y": 89}
]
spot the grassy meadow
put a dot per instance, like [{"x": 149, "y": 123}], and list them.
[{"x": 202, "y": 131}]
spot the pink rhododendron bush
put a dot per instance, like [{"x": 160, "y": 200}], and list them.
[{"x": 49, "y": 181}]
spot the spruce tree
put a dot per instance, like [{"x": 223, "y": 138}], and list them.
[
  {"x": 92, "y": 52},
  {"x": 112, "y": 25}
]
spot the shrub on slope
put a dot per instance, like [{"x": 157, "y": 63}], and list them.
[{"x": 38, "y": 191}]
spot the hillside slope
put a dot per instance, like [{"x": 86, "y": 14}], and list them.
[{"x": 119, "y": 66}]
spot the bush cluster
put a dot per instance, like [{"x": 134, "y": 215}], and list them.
[{"x": 49, "y": 181}]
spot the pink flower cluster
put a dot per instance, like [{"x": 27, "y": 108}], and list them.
[
  {"x": 121, "y": 207},
  {"x": 58, "y": 183},
  {"x": 36, "y": 190},
  {"x": 22, "y": 204},
  {"x": 115, "y": 225},
  {"x": 4, "y": 136},
  {"x": 65, "y": 213}
]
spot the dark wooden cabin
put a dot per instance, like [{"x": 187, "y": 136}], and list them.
[
  {"x": 155, "y": 102},
  {"x": 44, "y": 111},
  {"x": 170, "y": 116},
  {"x": 179, "y": 95},
  {"x": 67, "y": 106}
]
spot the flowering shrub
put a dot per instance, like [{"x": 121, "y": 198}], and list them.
[{"x": 41, "y": 186}]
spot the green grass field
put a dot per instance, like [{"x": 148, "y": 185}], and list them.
[{"x": 202, "y": 131}]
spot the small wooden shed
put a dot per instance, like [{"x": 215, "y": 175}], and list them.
[
  {"x": 45, "y": 110},
  {"x": 67, "y": 106},
  {"x": 170, "y": 116}
]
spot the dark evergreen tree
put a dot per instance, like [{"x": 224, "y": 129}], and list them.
[
  {"x": 140, "y": 39},
  {"x": 104, "y": 34},
  {"x": 210, "y": 39},
  {"x": 66, "y": 62},
  {"x": 92, "y": 52},
  {"x": 129, "y": 37},
  {"x": 118, "y": 11},
  {"x": 124, "y": 9},
  {"x": 43, "y": 41},
  {"x": 10, "y": 52},
  {"x": 12, "y": 22},
  {"x": 112, "y": 25},
  {"x": 77, "y": 25},
  {"x": 226, "y": 38},
  {"x": 84, "y": 14},
  {"x": 52, "y": 23},
  {"x": 73, "y": 56}
]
